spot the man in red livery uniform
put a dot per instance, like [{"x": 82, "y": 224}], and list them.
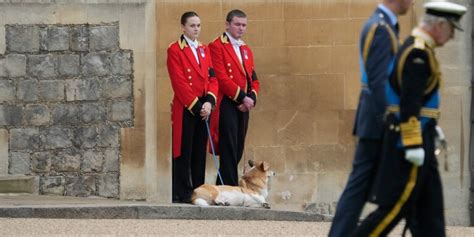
[
  {"x": 238, "y": 90},
  {"x": 195, "y": 88}
]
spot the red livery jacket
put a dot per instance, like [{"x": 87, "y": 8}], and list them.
[
  {"x": 236, "y": 80},
  {"x": 189, "y": 81}
]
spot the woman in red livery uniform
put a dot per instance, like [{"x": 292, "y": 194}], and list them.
[{"x": 195, "y": 88}]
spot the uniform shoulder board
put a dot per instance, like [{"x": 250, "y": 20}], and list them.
[
  {"x": 224, "y": 39},
  {"x": 419, "y": 43}
]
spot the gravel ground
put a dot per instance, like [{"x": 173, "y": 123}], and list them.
[{"x": 80, "y": 227}]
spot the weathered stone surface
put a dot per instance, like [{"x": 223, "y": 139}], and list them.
[
  {"x": 52, "y": 185},
  {"x": 41, "y": 66},
  {"x": 72, "y": 90},
  {"x": 111, "y": 160},
  {"x": 120, "y": 111},
  {"x": 41, "y": 162},
  {"x": 95, "y": 64},
  {"x": 104, "y": 38},
  {"x": 65, "y": 114},
  {"x": 24, "y": 139},
  {"x": 19, "y": 163},
  {"x": 85, "y": 137},
  {"x": 7, "y": 90},
  {"x": 108, "y": 185},
  {"x": 68, "y": 65},
  {"x": 80, "y": 186},
  {"x": 92, "y": 113},
  {"x": 13, "y": 65},
  {"x": 22, "y": 38},
  {"x": 37, "y": 115},
  {"x": 27, "y": 90},
  {"x": 51, "y": 90},
  {"x": 11, "y": 115},
  {"x": 108, "y": 136},
  {"x": 66, "y": 161},
  {"x": 117, "y": 87},
  {"x": 121, "y": 63},
  {"x": 92, "y": 161},
  {"x": 56, "y": 137},
  {"x": 79, "y": 38},
  {"x": 55, "y": 38},
  {"x": 83, "y": 90}
]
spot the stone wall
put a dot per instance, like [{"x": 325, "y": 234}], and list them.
[{"x": 65, "y": 92}]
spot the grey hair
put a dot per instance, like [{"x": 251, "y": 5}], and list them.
[{"x": 429, "y": 20}]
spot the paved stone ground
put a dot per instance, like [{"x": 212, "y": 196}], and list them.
[
  {"x": 62, "y": 227},
  {"x": 156, "y": 227}
]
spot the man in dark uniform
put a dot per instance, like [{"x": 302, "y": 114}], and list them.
[
  {"x": 408, "y": 183},
  {"x": 378, "y": 46},
  {"x": 238, "y": 90}
]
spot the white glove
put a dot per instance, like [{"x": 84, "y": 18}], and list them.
[
  {"x": 415, "y": 156},
  {"x": 440, "y": 133}
]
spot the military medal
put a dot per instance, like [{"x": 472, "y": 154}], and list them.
[
  {"x": 245, "y": 54},
  {"x": 202, "y": 53}
]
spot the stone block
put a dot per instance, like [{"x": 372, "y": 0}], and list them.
[
  {"x": 111, "y": 160},
  {"x": 13, "y": 65},
  {"x": 108, "y": 185},
  {"x": 22, "y": 38},
  {"x": 55, "y": 38},
  {"x": 41, "y": 66},
  {"x": 80, "y": 186},
  {"x": 85, "y": 137},
  {"x": 51, "y": 90},
  {"x": 56, "y": 137},
  {"x": 104, "y": 38},
  {"x": 20, "y": 163},
  {"x": 117, "y": 87},
  {"x": 92, "y": 113},
  {"x": 65, "y": 114},
  {"x": 52, "y": 185},
  {"x": 121, "y": 63},
  {"x": 4, "y": 152},
  {"x": 108, "y": 136},
  {"x": 68, "y": 65},
  {"x": 11, "y": 115},
  {"x": 83, "y": 90},
  {"x": 37, "y": 115},
  {"x": 27, "y": 90},
  {"x": 68, "y": 160},
  {"x": 41, "y": 162},
  {"x": 95, "y": 64},
  {"x": 24, "y": 139},
  {"x": 79, "y": 38},
  {"x": 92, "y": 161},
  {"x": 120, "y": 111},
  {"x": 7, "y": 90}
]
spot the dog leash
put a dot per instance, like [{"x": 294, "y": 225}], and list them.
[{"x": 216, "y": 164}]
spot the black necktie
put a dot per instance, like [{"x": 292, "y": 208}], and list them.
[{"x": 397, "y": 28}]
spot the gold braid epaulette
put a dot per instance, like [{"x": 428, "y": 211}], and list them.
[{"x": 411, "y": 132}]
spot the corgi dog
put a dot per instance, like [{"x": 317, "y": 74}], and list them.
[{"x": 251, "y": 192}]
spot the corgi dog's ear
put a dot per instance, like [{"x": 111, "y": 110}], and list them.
[{"x": 265, "y": 166}]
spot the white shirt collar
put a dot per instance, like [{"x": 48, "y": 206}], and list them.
[
  {"x": 191, "y": 43},
  {"x": 234, "y": 41},
  {"x": 420, "y": 33},
  {"x": 391, "y": 15}
]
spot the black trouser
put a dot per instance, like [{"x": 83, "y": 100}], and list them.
[
  {"x": 406, "y": 191},
  {"x": 189, "y": 169},
  {"x": 232, "y": 130}
]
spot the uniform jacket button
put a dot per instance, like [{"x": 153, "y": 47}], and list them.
[{"x": 190, "y": 77}]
